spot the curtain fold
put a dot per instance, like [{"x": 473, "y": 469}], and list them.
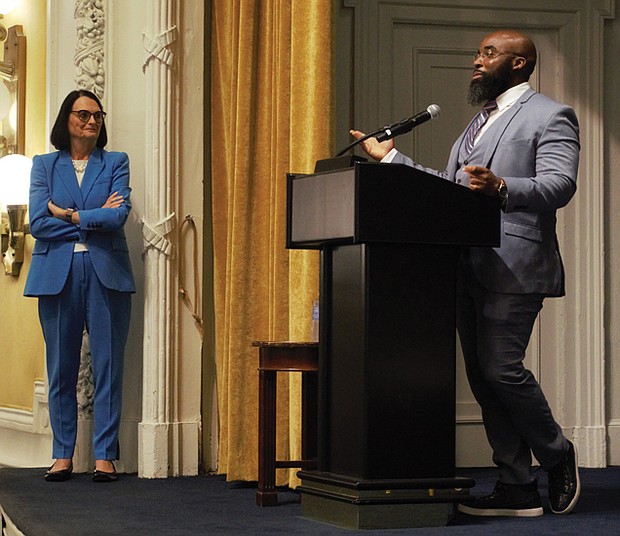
[{"x": 271, "y": 113}]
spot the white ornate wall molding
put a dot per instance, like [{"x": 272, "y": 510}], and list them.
[
  {"x": 25, "y": 436},
  {"x": 89, "y": 55},
  {"x": 89, "y": 59},
  {"x": 568, "y": 349},
  {"x": 83, "y": 457},
  {"x": 613, "y": 432},
  {"x": 159, "y": 47},
  {"x": 167, "y": 446},
  {"x": 86, "y": 383},
  {"x": 154, "y": 236}
]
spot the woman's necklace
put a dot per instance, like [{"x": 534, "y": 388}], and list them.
[{"x": 79, "y": 165}]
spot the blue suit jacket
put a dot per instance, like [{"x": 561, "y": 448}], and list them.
[
  {"x": 534, "y": 147},
  {"x": 53, "y": 178}
]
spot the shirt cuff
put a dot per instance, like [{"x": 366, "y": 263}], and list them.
[{"x": 387, "y": 159}]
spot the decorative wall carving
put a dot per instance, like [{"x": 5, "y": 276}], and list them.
[
  {"x": 90, "y": 19},
  {"x": 90, "y": 74},
  {"x": 155, "y": 235},
  {"x": 158, "y": 47},
  {"x": 86, "y": 384}
]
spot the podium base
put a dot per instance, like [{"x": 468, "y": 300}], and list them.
[{"x": 380, "y": 504}]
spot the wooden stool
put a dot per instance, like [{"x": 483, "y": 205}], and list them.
[{"x": 277, "y": 357}]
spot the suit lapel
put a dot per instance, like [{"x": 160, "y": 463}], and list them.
[
  {"x": 498, "y": 129},
  {"x": 93, "y": 170},
  {"x": 66, "y": 175}
]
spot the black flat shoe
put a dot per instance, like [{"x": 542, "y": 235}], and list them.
[
  {"x": 105, "y": 476},
  {"x": 59, "y": 476}
]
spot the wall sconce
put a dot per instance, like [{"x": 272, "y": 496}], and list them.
[
  {"x": 5, "y": 7},
  {"x": 14, "y": 168},
  {"x": 14, "y": 192},
  {"x": 12, "y": 88}
]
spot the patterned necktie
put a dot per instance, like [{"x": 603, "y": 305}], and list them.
[{"x": 478, "y": 123}]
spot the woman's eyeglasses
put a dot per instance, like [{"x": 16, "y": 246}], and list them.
[{"x": 85, "y": 115}]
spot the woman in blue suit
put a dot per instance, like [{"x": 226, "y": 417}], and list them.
[{"x": 81, "y": 273}]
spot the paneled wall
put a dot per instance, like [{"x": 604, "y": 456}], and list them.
[
  {"x": 611, "y": 104},
  {"x": 398, "y": 56}
]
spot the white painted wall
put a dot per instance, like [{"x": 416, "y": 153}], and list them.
[{"x": 125, "y": 102}]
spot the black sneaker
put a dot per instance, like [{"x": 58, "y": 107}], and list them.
[
  {"x": 506, "y": 500},
  {"x": 564, "y": 485}
]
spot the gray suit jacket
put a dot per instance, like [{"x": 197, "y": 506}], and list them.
[{"x": 534, "y": 147}]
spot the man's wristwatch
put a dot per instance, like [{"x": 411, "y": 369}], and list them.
[
  {"x": 68, "y": 214},
  {"x": 502, "y": 192}
]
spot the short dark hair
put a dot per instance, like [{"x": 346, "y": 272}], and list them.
[{"x": 60, "y": 131}]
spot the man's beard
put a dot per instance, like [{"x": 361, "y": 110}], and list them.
[{"x": 489, "y": 86}]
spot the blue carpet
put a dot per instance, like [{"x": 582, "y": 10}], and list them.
[{"x": 208, "y": 505}]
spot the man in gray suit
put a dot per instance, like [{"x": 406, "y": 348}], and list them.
[{"x": 523, "y": 149}]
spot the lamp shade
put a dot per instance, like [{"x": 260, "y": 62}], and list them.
[
  {"x": 13, "y": 116},
  {"x": 14, "y": 179},
  {"x": 7, "y": 5},
  {"x": 5, "y": 100}
]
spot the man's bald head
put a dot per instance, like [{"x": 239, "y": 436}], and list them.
[{"x": 516, "y": 43}]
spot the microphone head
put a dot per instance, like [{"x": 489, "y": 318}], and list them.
[{"x": 434, "y": 110}]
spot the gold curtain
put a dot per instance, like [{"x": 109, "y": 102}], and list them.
[{"x": 271, "y": 113}]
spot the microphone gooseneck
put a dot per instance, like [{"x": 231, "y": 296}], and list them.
[
  {"x": 402, "y": 127},
  {"x": 406, "y": 125}
]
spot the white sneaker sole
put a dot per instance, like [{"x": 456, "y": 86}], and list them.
[{"x": 496, "y": 512}]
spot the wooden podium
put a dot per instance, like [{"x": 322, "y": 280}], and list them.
[{"x": 390, "y": 239}]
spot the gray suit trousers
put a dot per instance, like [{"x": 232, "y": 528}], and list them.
[{"x": 494, "y": 330}]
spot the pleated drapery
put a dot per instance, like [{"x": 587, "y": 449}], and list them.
[{"x": 271, "y": 114}]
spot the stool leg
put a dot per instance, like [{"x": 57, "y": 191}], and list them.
[
  {"x": 309, "y": 415},
  {"x": 266, "y": 494}
]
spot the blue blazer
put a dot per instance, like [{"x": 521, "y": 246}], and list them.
[
  {"x": 534, "y": 147},
  {"x": 53, "y": 178}
]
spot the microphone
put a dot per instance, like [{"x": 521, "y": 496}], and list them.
[{"x": 404, "y": 126}]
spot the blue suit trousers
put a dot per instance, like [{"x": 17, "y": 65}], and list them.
[{"x": 85, "y": 302}]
